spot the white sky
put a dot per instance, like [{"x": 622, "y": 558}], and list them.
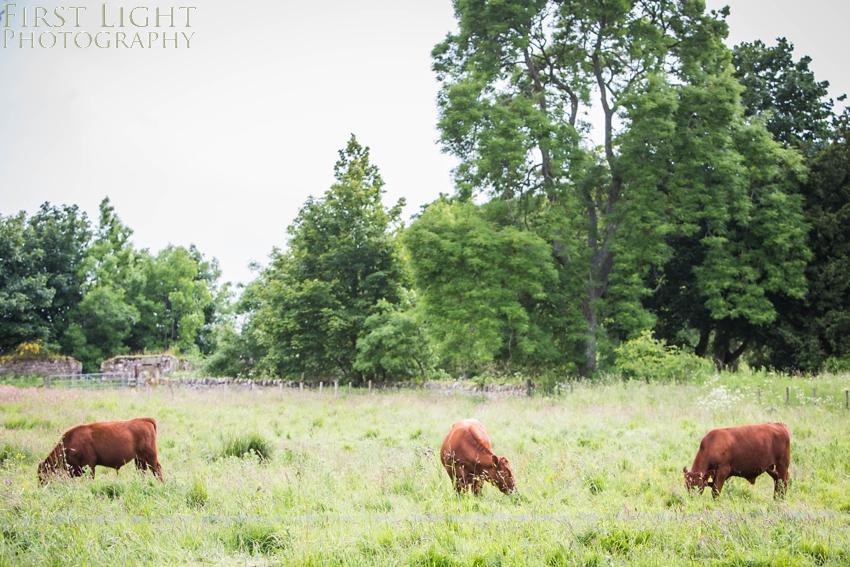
[{"x": 220, "y": 144}]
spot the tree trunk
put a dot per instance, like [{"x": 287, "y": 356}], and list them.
[
  {"x": 589, "y": 310},
  {"x": 702, "y": 346}
]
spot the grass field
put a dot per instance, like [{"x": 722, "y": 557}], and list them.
[{"x": 355, "y": 480}]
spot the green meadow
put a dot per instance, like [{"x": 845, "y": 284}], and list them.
[{"x": 266, "y": 477}]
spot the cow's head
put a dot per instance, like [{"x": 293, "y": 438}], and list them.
[
  {"x": 46, "y": 470},
  {"x": 503, "y": 475},
  {"x": 698, "y": 480}
]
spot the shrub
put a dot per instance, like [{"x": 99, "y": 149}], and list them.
[
  {"x": 247, "y": 444},
  {"x": 651, "y": 359},
  {"x": 26, "y": 351},
  {"x": 197, "y": 495},
  {"x": 258, "y": 539},
  {"x": 837, "y": 365}
]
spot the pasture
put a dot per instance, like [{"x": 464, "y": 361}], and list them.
[{"x": 355, "y": 480}]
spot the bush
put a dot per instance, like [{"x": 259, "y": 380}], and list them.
[
  {"x": 648, "y": 358},
  {"x": 242, "y": 445},
  {"x": 26, "y": 351},
  {"x": 197, "y": 495},
  {"x": 837, "y": 365}
]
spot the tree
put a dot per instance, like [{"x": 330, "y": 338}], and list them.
[
  {"x": 341, "y": 260},
  {"x": 487, "y": 289},
  {"x": 395, "y": 344},
  {"x": 102, "y": 322},
  {"x": 517, "y": 81},
  {"x": 41, "y": 266},
  {"x": 171, "y": 302},
  {"x": 798, "y": 107},
  {"x": 812, "y": 330},
  {"x": 60, "y": 238},
  {"x": 24, "y": 290}
]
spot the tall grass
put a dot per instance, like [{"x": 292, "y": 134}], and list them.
[{"x": 356, "y": 480}]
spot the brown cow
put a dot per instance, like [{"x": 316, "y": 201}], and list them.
[
  {"x": 109, "y": 444},
  {"x": 745, "y": 451},
  {"x": 468, "y": 459}
]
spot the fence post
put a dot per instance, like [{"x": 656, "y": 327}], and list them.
[
  {"x": 301, "y": 385},
  {"x": 759, "y": 395},
  {"x": 787, "y": 396},
  {"x": 47, "y": 381},
  {"x": 280, "y": 389},
  {"x": 846, "y": 399},
  {"x": 336, "y": 383},
  {"x": 321, "y": 384},
  {"x": 814, "y": 395},
  {"x": 370, "y": 387},
  {"x": 349, "y": 388},
  {"x": 528, "y": 387}
]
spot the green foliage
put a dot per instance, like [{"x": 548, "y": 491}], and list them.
[
  {"x": 836, "y": 364},
  {"x": 785, "y": 91},
  {"x": 243, "y": 445},
  {"x": 342, "y": 258},
  {"x": 812, "y": 330},
  {"x": 93, "y": 295},
  {"x": 481, "y": 284},
  {"x": 197, "y": 495},
  {"x": 258, "y": 539},
  {"x": 395, "y": 345},
  {"x": 515, "y": 82},
  {"x": 648, "y": 358},
  {"x": 40, "y": 276},
  {"x": 171, "y": 302},
  {"x": 739, "y": 244}
]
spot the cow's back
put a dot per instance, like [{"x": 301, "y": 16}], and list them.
[
  {"x": 467, "y": 443},
  {"x": 744, "y": 448},
  {"x": 113, "y": 443}
]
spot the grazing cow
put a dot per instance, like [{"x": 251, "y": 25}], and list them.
[
  {"x": 109, "y": 444},
  {"x": 746, "y": 451},
  {"x": 468, "y": 459}
]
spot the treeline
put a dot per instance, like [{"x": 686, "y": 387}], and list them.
[
  {"x": 706, "y": 226},
  {"x": 87, "y": 292}
]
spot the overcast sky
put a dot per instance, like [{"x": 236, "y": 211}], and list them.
[{"x": 220, "y": 143}]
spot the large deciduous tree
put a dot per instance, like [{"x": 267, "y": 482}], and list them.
[
  {"x": 489, "y": 291},
  {"x": 607, "y": 127},
  {"x": 41, "y": 273},
  {"x": 798, "y": 105},
  {"x": 810, "y": 331},
  {"x": 24, "y": 292},
  {"x": 341, "y": 260}
]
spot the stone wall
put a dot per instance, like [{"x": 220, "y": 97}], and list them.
[
  {"x": 151, "y": 366},
  {"x": 51, "y": 366},
  {"x": 460, "y": 387}
]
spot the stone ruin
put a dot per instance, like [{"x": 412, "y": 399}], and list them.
[{"x": 46, "y": 367}]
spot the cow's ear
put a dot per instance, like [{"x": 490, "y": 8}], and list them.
[
  {"x": 709, "y": 476},
  {"x": 495, "y": 461},
  {"x": 685, "y": 470}
]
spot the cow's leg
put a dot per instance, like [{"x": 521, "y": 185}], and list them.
[
  {"x": 148, "y": 462},
  {"x": 780, "y": 479},
  {"x": 460, "y": 479},
  {"x": 719, "y": 479}
]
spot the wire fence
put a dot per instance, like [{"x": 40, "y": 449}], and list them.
[{"x": 92, "y": 381}]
